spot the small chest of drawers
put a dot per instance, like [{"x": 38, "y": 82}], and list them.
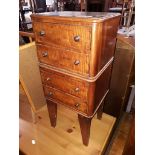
[{"x": 75, "y": 52}]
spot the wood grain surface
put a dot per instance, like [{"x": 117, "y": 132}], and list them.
[
  {"x": 65, "y": 59},
  {"x": 66, "y": 137},
  {"x": 122, "y": 76},
  {"x": 82, "y": 47},
  {"x": 63, "y": 35},
  {"x": 73, "y": 86},
  {"x": 30, "y": 76},
  {"x": 66, "y": 99}
]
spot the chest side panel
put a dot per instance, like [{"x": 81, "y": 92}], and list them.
[
  {"x": 103, "y": 44},
  {"x": 98, "y": 89}
]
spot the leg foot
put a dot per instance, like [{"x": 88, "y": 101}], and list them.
[
  {"x": 99, "y": 112},
  {"x": 85, "y": 124},
  {"x": 52, "y": 110}
]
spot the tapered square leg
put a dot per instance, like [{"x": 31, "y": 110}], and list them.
[
  {"x": 52, "y": 110},
  {"x": 85, "y": 124},
  {"x": 99, "y": 112}
]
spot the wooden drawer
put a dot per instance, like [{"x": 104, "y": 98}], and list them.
[
  {"x": 65, "y": 83},
  {"x": 64, "y": 98},
  {"x": 72, "y": 61},
  {"x": 64, "y": 35}
]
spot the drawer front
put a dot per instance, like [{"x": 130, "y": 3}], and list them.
[
  {"x": 69, "y": 36},
  {"x": 73, "y": 86},
  {"x": 65, "y": 99},
  {"x": 72, "y": 61}
]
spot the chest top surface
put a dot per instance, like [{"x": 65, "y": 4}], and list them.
[{"x": 76, "y": 16}]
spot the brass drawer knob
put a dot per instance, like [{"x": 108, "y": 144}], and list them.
[
  {"x": 45, "y": 54},
  {"x": 77, "y": 38},
  {"x": 48, "y": 79},
  {"x": 42, "y": 33},
  {"x": 50, "y": 94},
  {"x": 76, "y": 62},
  {"x": 77, "y": 105},
  {"x": 77, "y": 89}
]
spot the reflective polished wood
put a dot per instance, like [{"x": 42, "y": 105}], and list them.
[
  {"x": 79, "y": 46},
  {"x": 65, "y": 138}
]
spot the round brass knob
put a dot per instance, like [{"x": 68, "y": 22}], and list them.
[
  {"x": 42, "y": 33},
  {"x": 77, "y": 105},
  {"x": 76, "y": 62},
  {"x": 77, "y": 38},
  {"x": 77, "y": 89},
  {"x": 50, "y": 94},
  {"x": 48, "y": 79},
  {"x": 45, "y": 54}
]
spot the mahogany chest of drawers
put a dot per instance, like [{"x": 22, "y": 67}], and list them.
[{"x": 75, "y": 52}]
